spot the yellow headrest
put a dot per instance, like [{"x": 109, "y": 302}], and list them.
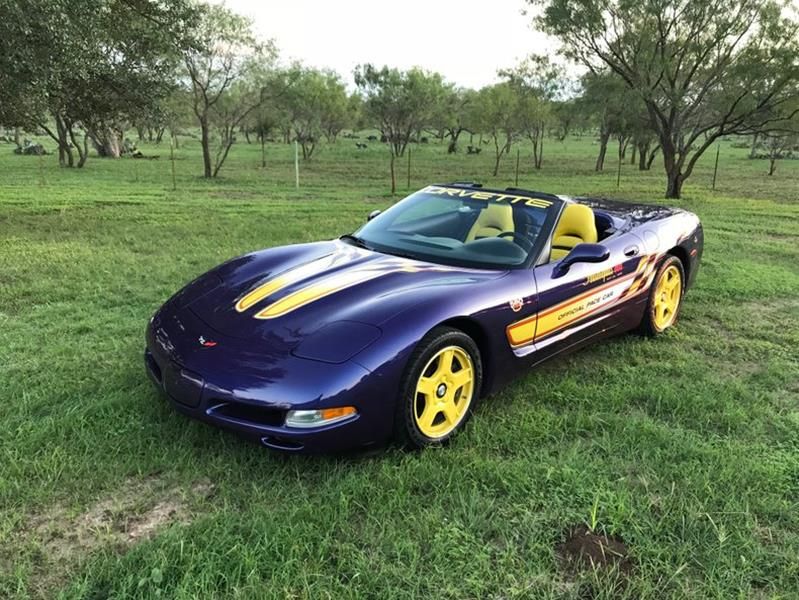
[
  {"x": 492, "y": 220},
  {"x": 576, "y": 225}
]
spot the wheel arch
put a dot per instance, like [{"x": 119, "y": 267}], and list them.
[
  {"x": 682, "y": 254},
  {"x": 476, "y": 331}
]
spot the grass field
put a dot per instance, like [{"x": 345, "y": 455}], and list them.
[{"x": 684, "y": 448}]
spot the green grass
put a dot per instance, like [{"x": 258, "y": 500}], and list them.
[{"x": 685, "y": 447}]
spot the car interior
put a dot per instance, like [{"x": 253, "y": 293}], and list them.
[{"x": 478, "y": 230}]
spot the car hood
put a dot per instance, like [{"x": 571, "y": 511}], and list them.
[{"x": 292, "y": 291}]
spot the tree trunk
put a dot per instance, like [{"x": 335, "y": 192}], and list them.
[
  {"x": 83, "y": 150},
  {"x": 66, "y": 158},
  {"x": 263, "y": 151},
  {"x": 603, "y": 149},
  {"x": 753, "y": 150},
  {"x": 498, "y": 156},
  {"x": 632, "y": 155},
  {"x": 674, "y": 184},
  {"x": 643, "y": 149},
  {"x": 106, "y": 141},
  {"x": 772, "y": 165},
  {"x": 206, "y": 144},
  {"x": 651, "y": 158},
  {"x": 539, "y": 152},
  {"x": 17, "y": 136},
  {"x": 222, "y": 155}
]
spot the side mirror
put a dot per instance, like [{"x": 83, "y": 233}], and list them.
[
  {"x": 581, "y": 253},
  {"x": 373, "y": 214}
]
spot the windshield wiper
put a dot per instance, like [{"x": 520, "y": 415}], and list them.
[{"x": 355, "y": 241}]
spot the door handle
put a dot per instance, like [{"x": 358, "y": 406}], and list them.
[{"x": 631, "y": 251}]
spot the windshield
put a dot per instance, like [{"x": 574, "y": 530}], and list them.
[{"x": 462, "y": 226}]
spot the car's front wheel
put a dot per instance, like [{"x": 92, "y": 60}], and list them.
[
  {"x": 665, "y": 297},
  {"x": 440, "y": 388}
]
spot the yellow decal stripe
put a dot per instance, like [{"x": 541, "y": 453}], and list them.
[
  {"x": 314, "y": 292},
  {"x": 283, "y": 280},
  {"x": 522, "y": 332},
  {"x": 565, "y": 313}
]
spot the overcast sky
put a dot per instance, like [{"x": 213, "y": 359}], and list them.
[{"x": 464, "y": 40}]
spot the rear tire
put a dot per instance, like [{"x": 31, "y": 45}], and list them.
[
  {"x": 439, "y": 389},
  {"x": 665, "y": 298}
]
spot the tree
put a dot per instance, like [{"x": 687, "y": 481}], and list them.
[
  {"x": 537, "y": 81},
  {"x": 605, "y": 99},
  {"x": 228, "y": 71},
  {"x": 82, "y": 69},
  {"x": 497, "y": 114},
  {"x": 399, "y": 103},
  {"x": 316, "y": 104},
  {"x": 451, "y": 115},
  {"x": 703, "y": 68},
  {"x": 336, "y": 110},
  {"x": 780, "y": 139}
]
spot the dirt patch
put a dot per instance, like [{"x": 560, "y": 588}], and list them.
[
  {"x": 136, "y": 511},
  {"x": 586, "y": 549}
]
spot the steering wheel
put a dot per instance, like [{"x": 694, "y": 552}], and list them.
[{"x": 517, "y": 238}]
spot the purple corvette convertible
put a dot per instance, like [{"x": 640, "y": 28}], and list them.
[{"x": 397, "y": 330}]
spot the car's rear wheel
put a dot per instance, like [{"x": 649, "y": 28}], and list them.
[
  {"x": 665, "y": 297},
  {"x": 440, "y": 388}
]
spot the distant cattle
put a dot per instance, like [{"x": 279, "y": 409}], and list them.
[
  {"x": 473, "y": 150},
  {"x": 424, "y": 140},
  {"x": 361, "y": 145},
  {"x": 372, "y": 138},
  {"x": 30, "y": 149}
]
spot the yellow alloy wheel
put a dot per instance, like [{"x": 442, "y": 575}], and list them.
[
  {"x": 444, "y": 392},
  {"x": 667, "y": 297}
]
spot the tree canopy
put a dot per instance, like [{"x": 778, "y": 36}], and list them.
[{"x": 703, "y": 68}]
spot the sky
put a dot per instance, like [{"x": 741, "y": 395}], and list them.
[{"x": 464, "y": 40}]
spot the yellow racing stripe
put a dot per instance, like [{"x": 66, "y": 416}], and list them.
[{"x": 316, "y": 291}]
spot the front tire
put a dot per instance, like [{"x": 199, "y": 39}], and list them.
[
  {"x": 439, "y": 390},
  {"x": 665, "y": 298}
]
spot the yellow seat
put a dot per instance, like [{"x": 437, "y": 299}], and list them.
[
  {"x": 576, "y": 225},
  {"x": 492, "y": 220}
]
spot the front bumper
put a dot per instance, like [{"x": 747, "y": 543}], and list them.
[{"x": 227, "y": 389}]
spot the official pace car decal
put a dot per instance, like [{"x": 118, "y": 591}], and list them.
[
  {"x": 613, "y": 287},
  {"x": 327, "y": 285}
]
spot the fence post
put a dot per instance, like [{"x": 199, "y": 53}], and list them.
[
  {"x": 716, "y": 167},
  {"x": 296, "y": 165},
  {"x": 172, "y": 162},
  {"x": 409, "y": 167},
  {"x": 393, "y": 177},
  {"x": 41, "y": 171}
]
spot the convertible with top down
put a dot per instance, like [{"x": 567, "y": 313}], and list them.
[{"x": 397, "y": 330}]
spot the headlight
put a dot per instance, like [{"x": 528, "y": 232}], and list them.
[{"x": 315, "y": 418}]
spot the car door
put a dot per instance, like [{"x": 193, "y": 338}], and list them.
[{"x": 586, "y": 300}]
